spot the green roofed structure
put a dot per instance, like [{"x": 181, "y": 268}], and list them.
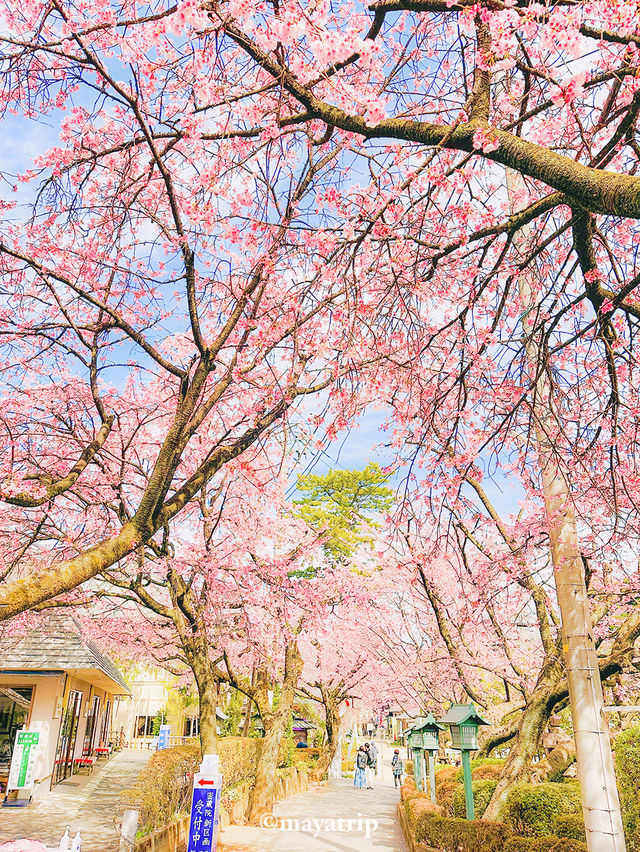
[
  {"x": 423, "y": 739},
  {"x": 463, "y": 721}
]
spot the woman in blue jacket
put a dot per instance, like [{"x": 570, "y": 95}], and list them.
[{"x": 361, "y": 763}]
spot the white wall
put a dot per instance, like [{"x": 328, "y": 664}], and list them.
[{"x": 149, "y": 695}]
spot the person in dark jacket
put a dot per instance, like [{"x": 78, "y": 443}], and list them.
[
  {"x": 396, "y": 765},
  {"x": 372, "y": 754},
  {"x": 361, "y": 765}
]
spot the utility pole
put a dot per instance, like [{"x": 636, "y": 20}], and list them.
[{"x": 600, "y": 801}]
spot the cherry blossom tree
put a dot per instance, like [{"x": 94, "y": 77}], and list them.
[
  {"x": 237, "y": 604},
  {"x": 419, "y": 106},
  {"x": 167, "y": 295}
]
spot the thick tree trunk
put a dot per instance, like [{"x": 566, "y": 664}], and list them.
[
  {"x": 208, "y": 696},
  {"x": 275, "y": 724},
  {"x": 332, "y": 721},
  {"x": 600, "y": 801},
  {"x": 262, "y": 794},
  {"x": 524, "y": 745},
  {"x": 195, "y": 645}
]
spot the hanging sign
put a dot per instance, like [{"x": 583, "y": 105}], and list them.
[{"x": 163, "y": 736}]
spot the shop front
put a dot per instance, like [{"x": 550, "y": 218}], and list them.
[{"x": 62, "y": 686}]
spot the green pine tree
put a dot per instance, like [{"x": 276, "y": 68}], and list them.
[{"x": 343, "y": 505}]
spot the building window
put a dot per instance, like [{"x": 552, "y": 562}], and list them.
[
  {"x": 144, "y": 726},
  {"x": 14, "y": 713},
  {"x": 191, "y": 727}
]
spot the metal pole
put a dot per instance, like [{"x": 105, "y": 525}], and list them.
[
  {"x": 468, "y": 788},
  {"x": 416, "y": 767},
  {"x": 432, "y": 775},
  {"x": 424, "y": 769}
]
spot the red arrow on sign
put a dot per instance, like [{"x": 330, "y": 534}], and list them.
[{"x": 202, "y": 782}]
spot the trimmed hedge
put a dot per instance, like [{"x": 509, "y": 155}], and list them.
[
  {"x": 483, "y": 767},
  {"x": 482, "y": 793},
  {"x": 492, "y": 771},
  {"x": 544, "y": 844},
  {"x": 447, "y": 834},
  {"x": 627, "y": 756},
  {"x": 572, "y": 826},
  {"x": 452, "y": 835},
  {"x": 419, "y": 809},
  {"x": 445, "y": 795},
  {"x": 163, "y": 788},
  {"x": 532, "y": 809},
  {"x": 446, "y": 773},
  {"x": 238, "y": 758}
]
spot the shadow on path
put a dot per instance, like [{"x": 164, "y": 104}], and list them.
[
  {"x": 88, "y": 804},
  {"x": 339, "y": 818}
]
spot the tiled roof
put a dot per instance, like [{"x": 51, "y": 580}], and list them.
[
  {"x": 459, "y": 713},
  {"x": 57, "y": 646}
]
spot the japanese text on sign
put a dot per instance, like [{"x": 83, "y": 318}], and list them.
[{"x": 202, "y": 829}]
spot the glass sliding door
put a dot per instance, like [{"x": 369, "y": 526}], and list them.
[
  {"x": 92, "y": 728},
  {"x": 106, "y": 724},
  {"x": 63, "y": 766}
]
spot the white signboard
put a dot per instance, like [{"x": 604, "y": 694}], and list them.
[{"x": 23, "y": 760}]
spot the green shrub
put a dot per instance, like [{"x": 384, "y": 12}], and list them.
[
  {"x": 483, "y": 767},
  {"x": 627, "y": 754},
  {"x": 544, "y": 844},
  {"x": 556, "y": 776},
  {"x": 445, "y": 794},
  {"x": 482, "y": 793},
  {"x": 531, "y": 809},
  {"x": 572, "y": 826},
  {"x": 163, "y": 788},
  {"x": 453, "y": 835}
]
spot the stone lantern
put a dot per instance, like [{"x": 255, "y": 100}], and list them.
[{"x": 463, "y": 721}]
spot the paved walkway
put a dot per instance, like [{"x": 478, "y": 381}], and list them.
[
  {"x": 85, "y": 803},
  {"x": 338, "y": 818}
]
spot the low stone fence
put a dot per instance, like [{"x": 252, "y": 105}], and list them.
[
  {"x": 173, "y": 838},
  {"x": 408, "y": 834}
]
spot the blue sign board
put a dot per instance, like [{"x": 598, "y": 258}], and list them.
[
  {"x": 202, "y": 827},
  {"x": 163, "y": 736}
]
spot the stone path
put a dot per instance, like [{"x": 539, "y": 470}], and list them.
[
  {"x": 338, "y": 818},
  {"x": 85, "y": 803}
]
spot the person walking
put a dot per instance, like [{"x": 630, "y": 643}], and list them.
[
  {"x": 369, "y": 767},
  {"x": 373, "y": 751},
  {"x": 360, "y": 768},
  {"x": 396, "y": 765}
]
